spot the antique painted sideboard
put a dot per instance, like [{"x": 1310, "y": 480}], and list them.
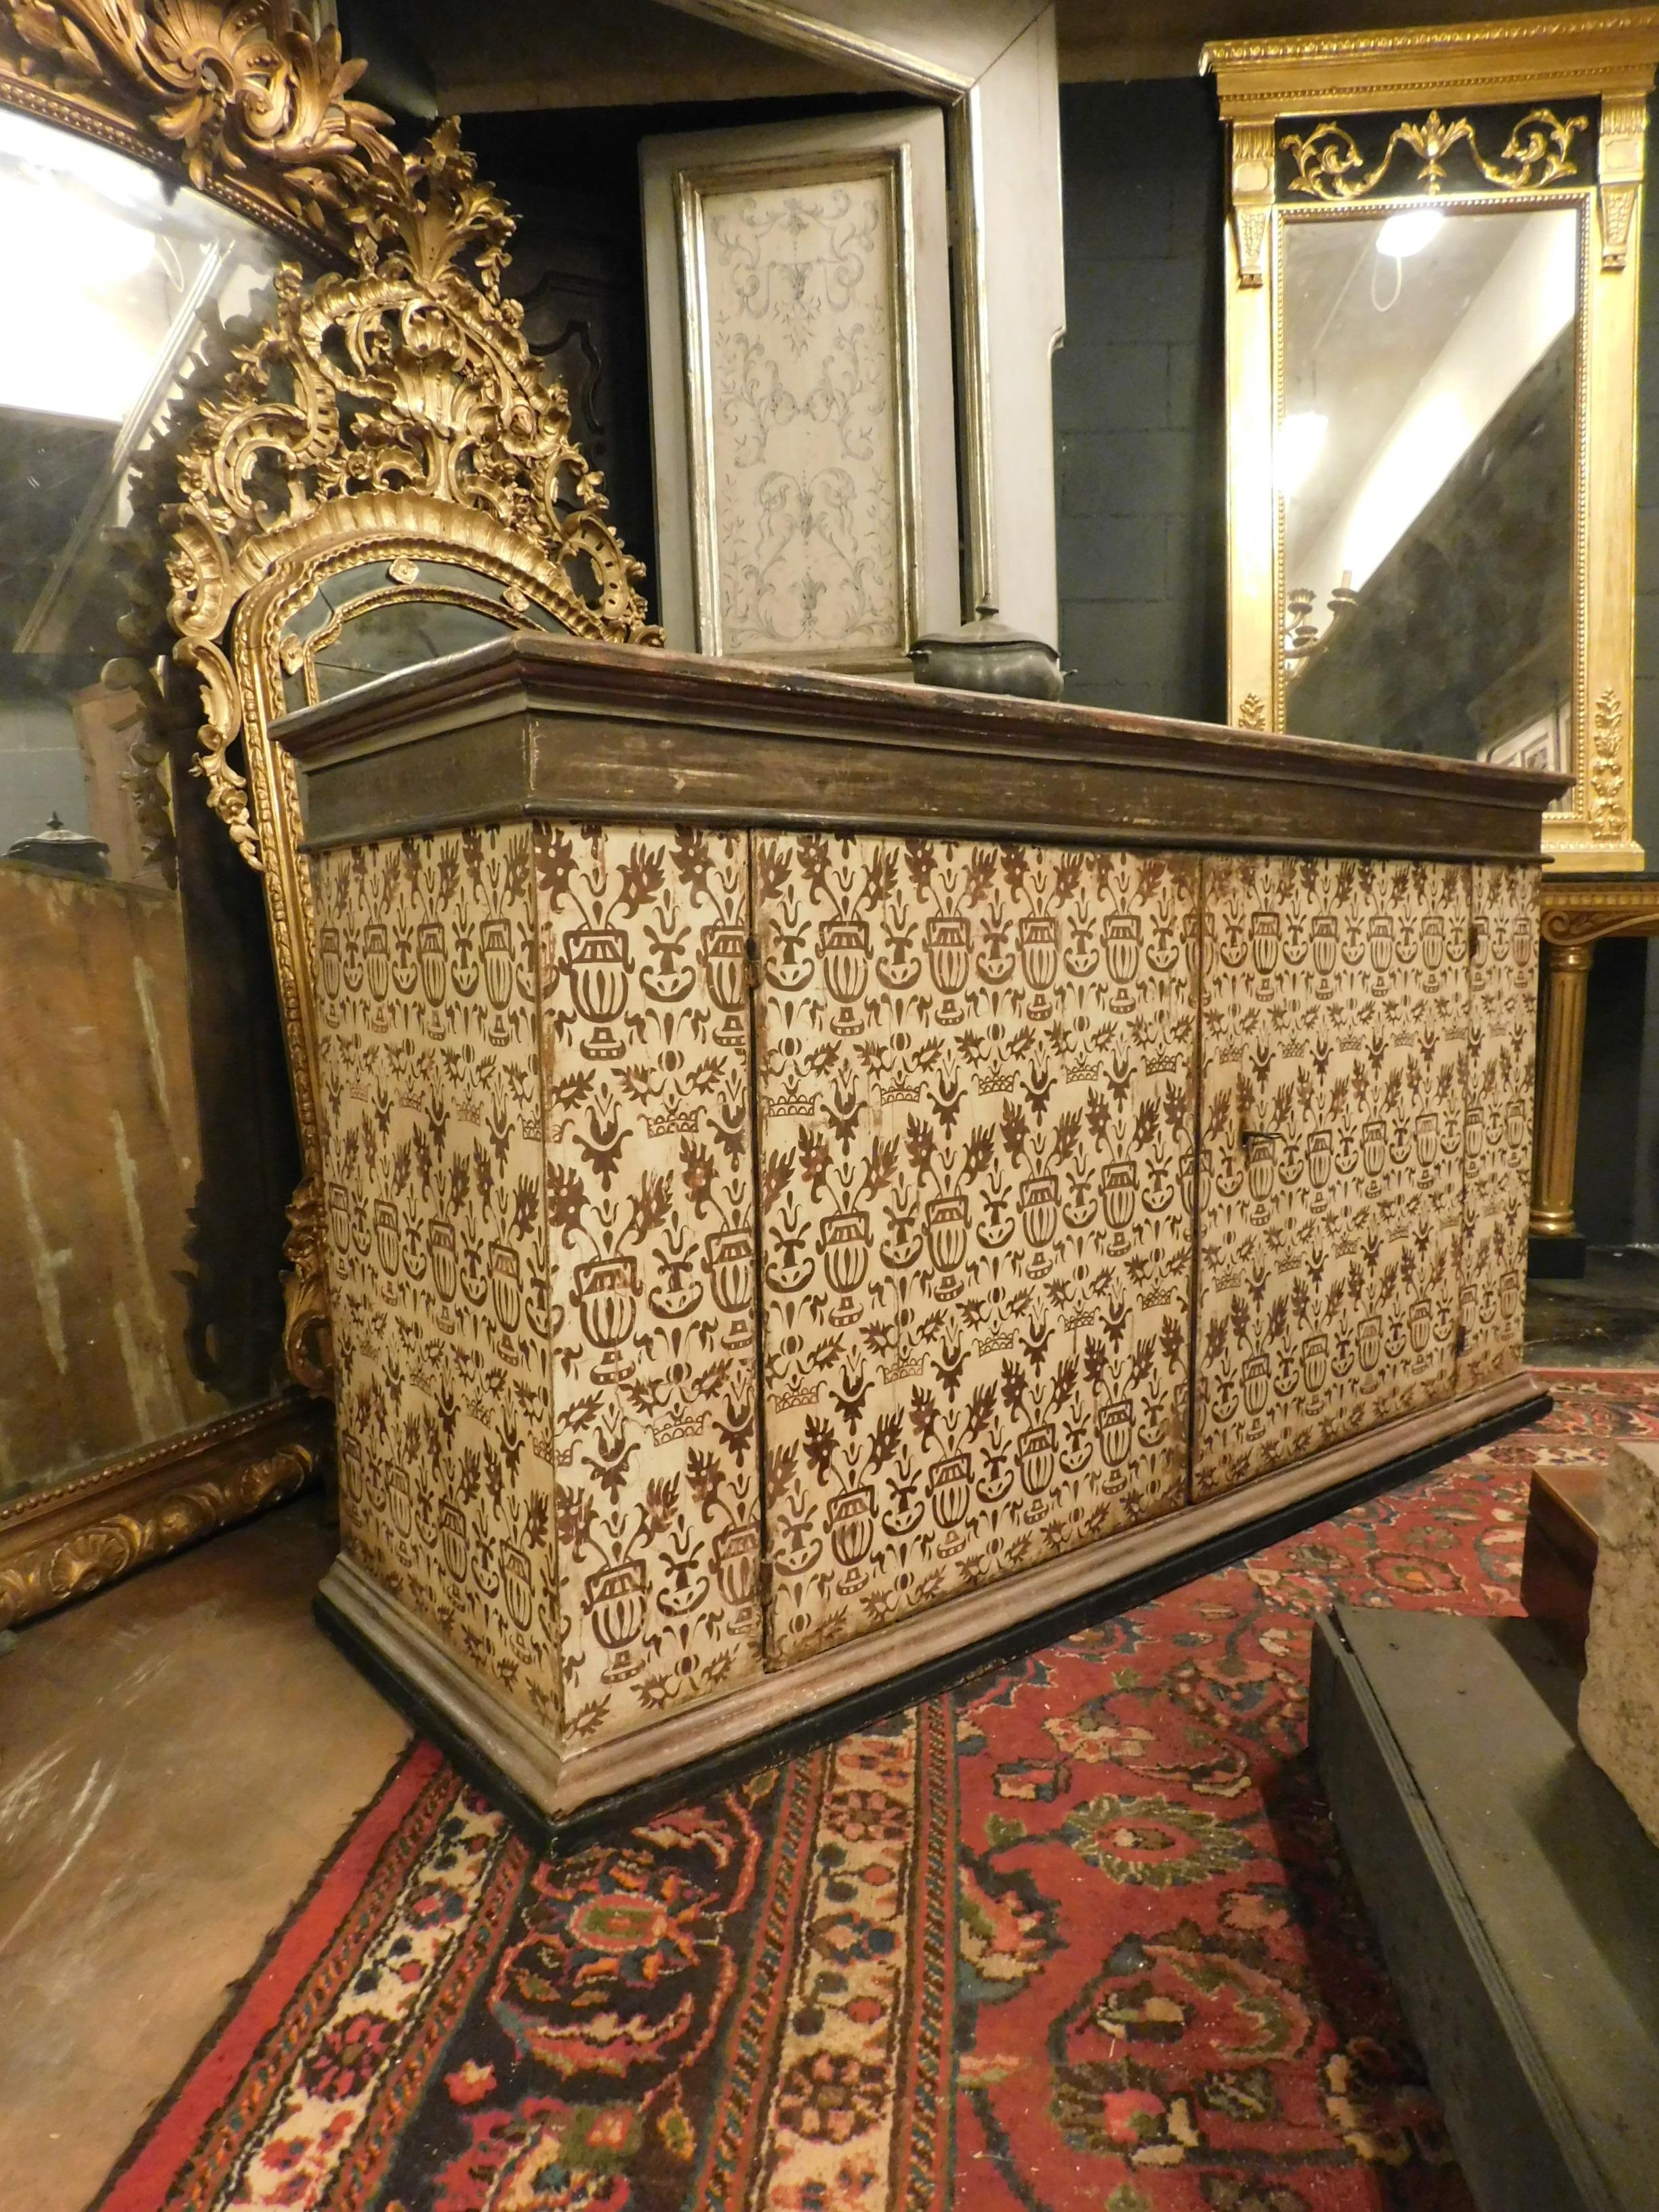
[{"x": 819, "y": 1172}]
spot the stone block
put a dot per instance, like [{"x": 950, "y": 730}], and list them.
[{"x": 1618, "y": 1707}]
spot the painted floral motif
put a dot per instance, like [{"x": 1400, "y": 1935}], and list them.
[
  {"x": 977, "y": 1088},
  {"x": 1502, "y": 1030},
  {"x": 429, "y": 1065},
  {"x": 650, "y": 1204},
  {"x": 535, "y": 1073},
  {"x": 804, "y": 420},
  {"x": 1336, "y": 1019}
]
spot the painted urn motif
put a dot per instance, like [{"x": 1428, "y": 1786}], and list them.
[
  {"x": 1122, "y": 947},
  {"x": 377, "y": 961},
  {"x": 505, "y": 1286},
  {"x": 440, "y": 1254},
  {"x": 1039, "y": 960},
  {"x": 1115, "y": 1431},
  {"x": 1374, "y": 1147},
  {"x": 1257, "y": 1383},
  {"x": 950, "y": 949},
  {"x": 1321, "y": 943},
  {"x": 950, "y": 1494},
  {"x": 599, "y": 966},
  {"x": 432, "y": 958},
  {"x": 1118, "y": 1185},
  {"x": 726, "y": 964},
  {"x": 518, "y": 1587},
  {"x": 607, "y": 1294},
  {"x": 1039, "y": 1209},
  {"x": 736, "y": 1569},
  {"x": 844, "y": 952},
  {"x": 616, "y": 1603},
  {"x": 945, "y": 1226},
  {"x": 852, "y": 1526},
  {"x": 1267, "y": 934},
  {"x": 1037, "y": 1460},
  {"x": 1316, "y": 1155},
  {"x": 844, "y": 1245},
  {"x": 731, "y": 1269}
]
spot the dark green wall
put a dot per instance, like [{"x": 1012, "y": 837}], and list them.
[{"x": 1139, "y": 423}]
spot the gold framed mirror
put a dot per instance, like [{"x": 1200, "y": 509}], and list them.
[
  {"x": 1432, "y": 286},
  {"x": 154, "y": 165},
  {"x": 386, "y": 474}
]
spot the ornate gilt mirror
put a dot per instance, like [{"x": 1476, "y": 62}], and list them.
[
  {"x": 1432, "y": 310},
  {"x": 203, "y": 528},
  {"x": 154, "y": 167},
  {"x": 386, "y": 475}
]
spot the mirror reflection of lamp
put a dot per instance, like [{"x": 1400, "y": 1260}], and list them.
[
  {"x": 69, "y": 252},
  {"x": 1301, "y": 439}
]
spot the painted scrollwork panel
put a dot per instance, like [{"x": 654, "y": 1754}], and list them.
[
  {"x": 432, "y": 1158},
  {"x": 650, "y": 1205},
  {"x": 1331, "y": 1155},
  {"x": 1503, "y": 1028},
  {"x": 802, "y": 327},
  {"x": 976, "y": 1084}
]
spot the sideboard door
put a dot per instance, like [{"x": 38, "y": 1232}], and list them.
[
  {"x": 1502, "y": 1027},
  {"x": 976, "y": 1090},
  {"x": 1335, "y": 1015}
]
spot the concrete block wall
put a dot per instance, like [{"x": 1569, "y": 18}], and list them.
[{"x": 1139, "y": 415}]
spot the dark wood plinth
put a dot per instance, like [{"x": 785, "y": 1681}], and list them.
[
  {"x": 1556, "y": 1259},
  {"x": 1558, "y": 1567},
  {"x": 1515, "y": 1894}
]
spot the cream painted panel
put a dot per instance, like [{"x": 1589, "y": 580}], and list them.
[
  {"x": 650, "y": 1207},
  {"x": 1330, "y": 1235},
  {"x": 1503, "y": 1029},
  {"x": 976, "y": 1078},
  {"x": 432, "y": 1136}
]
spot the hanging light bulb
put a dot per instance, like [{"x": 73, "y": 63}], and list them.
[{"x": 1408, "y": 233}]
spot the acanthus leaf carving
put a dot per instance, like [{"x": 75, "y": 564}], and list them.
[
  {"x": 255, "y": 107},
  {"x": 410, "y": 375},
  {"x": 1606, "y": 768}
]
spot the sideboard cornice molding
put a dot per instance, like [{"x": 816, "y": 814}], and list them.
[{"x": 534, "y": 726}]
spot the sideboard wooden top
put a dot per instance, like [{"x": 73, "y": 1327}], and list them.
[{"x": 531, "y": 725}]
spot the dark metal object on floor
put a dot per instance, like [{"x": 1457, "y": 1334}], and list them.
[{"x": 1515, "y": 1894}]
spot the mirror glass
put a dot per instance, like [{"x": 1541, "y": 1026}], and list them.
[
  {"x": 147, "y": 1152},
  {"x": 359, "y": 625},
  {"x": 1424, "y": 460}
]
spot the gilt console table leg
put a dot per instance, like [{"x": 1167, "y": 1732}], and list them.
[{"x": 1554, "y": 1246}]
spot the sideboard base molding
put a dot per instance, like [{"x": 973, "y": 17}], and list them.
[{"x": 556, "y": 1796}]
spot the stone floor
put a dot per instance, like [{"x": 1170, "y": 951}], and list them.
[
  {"x": 177, "y": 1756},
  {"x": 155, "y": 1824},
  {"x": 1608, "y": 1319}
]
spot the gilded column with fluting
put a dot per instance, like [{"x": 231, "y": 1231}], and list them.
[{"x": 1560, "y": 1066}]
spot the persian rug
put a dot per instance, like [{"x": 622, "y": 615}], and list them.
[{"x": 1076, "y": 1934}]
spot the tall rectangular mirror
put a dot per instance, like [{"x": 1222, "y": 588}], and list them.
[
  {"x": 1432, "y": 302},
  {"x": 1424, "y": 453}
]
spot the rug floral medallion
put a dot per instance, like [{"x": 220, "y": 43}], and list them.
[{"x": 1077, "y": 1933}]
